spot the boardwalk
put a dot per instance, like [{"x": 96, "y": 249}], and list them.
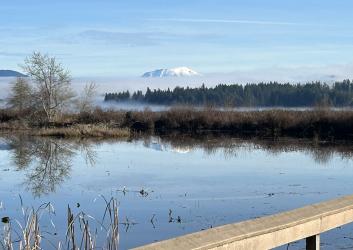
[{"x": 270, "y": 231}]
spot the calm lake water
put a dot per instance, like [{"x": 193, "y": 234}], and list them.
[{"x": 188, "y": 184}]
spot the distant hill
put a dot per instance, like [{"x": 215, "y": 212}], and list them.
[
  {"x": 10, "y": 73},
  {"x": 175, "y": 72}
]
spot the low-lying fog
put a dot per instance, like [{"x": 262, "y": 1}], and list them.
[{"x": 117, "y": 84}]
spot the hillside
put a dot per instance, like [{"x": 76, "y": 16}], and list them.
[{"x": 11, "y": 73}]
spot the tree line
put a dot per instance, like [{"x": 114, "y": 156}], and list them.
[{"x": 269, "y": 94}]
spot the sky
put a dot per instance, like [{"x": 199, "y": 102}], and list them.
[{"x": 130, "y": 37}]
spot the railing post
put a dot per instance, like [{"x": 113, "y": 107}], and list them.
[{"x": 313, "y": 242}]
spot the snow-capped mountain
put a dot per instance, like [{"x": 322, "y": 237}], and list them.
[{"x": 176, "y": 72}]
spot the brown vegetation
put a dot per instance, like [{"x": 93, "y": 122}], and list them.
[
  {"x": 83, "y": 231},
  {"x": 83, "y": 130},
  {"x": 319, "y": 123}
]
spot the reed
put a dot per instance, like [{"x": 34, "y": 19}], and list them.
[{"x": 83, "y": 231}]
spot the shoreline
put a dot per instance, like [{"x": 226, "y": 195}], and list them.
[
  {"x": 321, "y": 124},
  {"x": 76, "y": 131}
]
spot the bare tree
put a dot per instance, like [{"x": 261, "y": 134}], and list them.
[
  {"x": 86, "y": 101},
  {"x": 21, "y": 95},
  {"x": 53, "y": 83}
]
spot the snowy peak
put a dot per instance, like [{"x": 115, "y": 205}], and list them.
[
  {"x": 175, "y": 72},
  {"x": 182, "y": 71}
]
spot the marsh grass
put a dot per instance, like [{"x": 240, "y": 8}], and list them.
[
  {"x": 83, "y": 230},
  {"x": 84, "y": 130},
  {"x": 319, "y": 122}
]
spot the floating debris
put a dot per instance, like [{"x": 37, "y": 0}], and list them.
[
  {"x": 143, "y": 193},
  {"x": 152, "y": 221},
  {"x": 178, "y": 219},
  {"x": 128, "y": 223},
  {"x": 171, "y": 219},
  {"x": 5, "y": 220}
]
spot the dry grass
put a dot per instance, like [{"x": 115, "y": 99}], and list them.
[
  {"x": 13, "y": 125},
  {"x": 84, "y": 130},
  {"x": 322, "y": 123},
  {"x": 79, "y": 234}
]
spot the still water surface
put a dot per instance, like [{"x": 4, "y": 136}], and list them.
[{"x": 187, "y": 184}]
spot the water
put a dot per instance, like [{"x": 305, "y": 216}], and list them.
[{"x": 171, "y": 187}]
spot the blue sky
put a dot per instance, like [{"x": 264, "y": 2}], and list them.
[{"x": 127, "y": 38}]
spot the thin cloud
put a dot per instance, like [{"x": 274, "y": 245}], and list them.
[
  {"x": 138, "y": 38},
  {"x": 128, "y": 38},
  {"x": 229, "y": 21}
]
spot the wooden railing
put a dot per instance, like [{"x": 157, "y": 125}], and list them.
[{"x": 270, "y": 231}]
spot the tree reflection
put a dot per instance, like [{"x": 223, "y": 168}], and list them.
[
  {"x": 47, "y": 161},
  {"x": 321, "y": 152}
]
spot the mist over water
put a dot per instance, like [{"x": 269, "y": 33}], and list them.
[{"x": 328, "y": 74}]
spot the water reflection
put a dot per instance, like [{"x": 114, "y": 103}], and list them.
[
  {"x": 48, "y": 162},
  {"x": 169, "y": 186},
  {"x": 320, "y": 151}
]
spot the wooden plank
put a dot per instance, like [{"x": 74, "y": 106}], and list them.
[{"x": 267, "y": 232}]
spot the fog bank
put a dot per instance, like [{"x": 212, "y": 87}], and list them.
[{"x": 328, "y": 74}]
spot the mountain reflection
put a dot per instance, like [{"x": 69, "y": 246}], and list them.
[{"x": 46, "y": 161}]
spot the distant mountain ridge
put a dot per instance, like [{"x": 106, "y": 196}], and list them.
[
  {"x": 10, "y": 73},
  {"x": 174, "y": 72}
]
